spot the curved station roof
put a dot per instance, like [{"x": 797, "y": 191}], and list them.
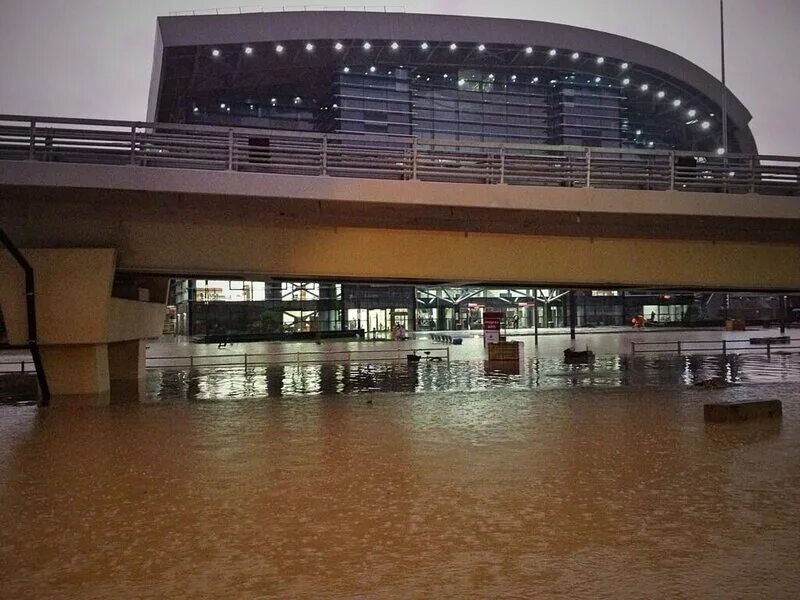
[{"x": 266, "y": 57}]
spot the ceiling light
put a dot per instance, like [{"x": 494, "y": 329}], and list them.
[
  {"x": 461, "y": 81},
  {"x": 346, "y": 69},
  {"x": 309, "y": 47},
  {"x": 638, "y": 132},
  {"x": 453, "y": 46},
  {"x": 273, "y": 100},
  {"x": 366, "y": 46},
  {"x": 600, "y": 60},
  {"x": 535, "y": 80},
  {"x": 626, "y": 81},
  {"x": 650, "y": 144},
  {"x": 624, "y": 66},
  {"x": 645, "y": 87},
  {"x": 297, "y": 99},
  {"x": 223, "y": 105},
  {"x": 661, "y": 94},
  {"x": 720, "y": 151},
  {"x": 575, "y": 55},
  {"x": 215, "y": 53},
  {"x": 394, "y": 45},
  {"x": 597, "y": 80},
  {"x": 372, "y": 69},
  {"x": 279, "y": 49},
  {"x": 424, "y": 45},
  {"x": 481, "y": 48},
  {"x": 445, "y": 76},
  {"x": 553, "y": 52},
  {"x": 676, "y": 103},
  {"x": 692, "y": 113},
  {"x": 513, "y": 78},
  {"x": 529, "y": 50},
  {"x": 248, "y": 50},
  {"x": 195, "y": 109},
  {"x": 705, "y": 125},
  {"x": 338, "y": 45}
]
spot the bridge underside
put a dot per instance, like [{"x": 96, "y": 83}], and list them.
[{"x": 178, "y": 234}]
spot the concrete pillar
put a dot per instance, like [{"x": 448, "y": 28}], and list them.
[
  {"x": 126, "y": 369},
  {"x": 86, "y": 336},
  {"x": 126, "y": 360},
  {"x": 77, "y": 371}
]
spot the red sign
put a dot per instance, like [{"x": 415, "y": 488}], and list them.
[{"x": 492, "y": 321}]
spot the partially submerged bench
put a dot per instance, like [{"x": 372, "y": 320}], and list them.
[{"x": 729, "y": 412}]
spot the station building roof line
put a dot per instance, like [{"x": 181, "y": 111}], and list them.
[{"x": 175, "y": 31}]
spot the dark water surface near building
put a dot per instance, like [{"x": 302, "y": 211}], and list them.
[{"x": 394, "y": 481}]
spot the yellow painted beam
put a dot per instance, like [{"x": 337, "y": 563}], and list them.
[{"x": 453, "y": 256}]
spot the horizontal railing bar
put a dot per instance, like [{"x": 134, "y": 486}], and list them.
[{"x": 214, "y": 147}]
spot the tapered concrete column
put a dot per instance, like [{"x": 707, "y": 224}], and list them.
[
  {"x": 126, "y": 369},
  {"x": 126, "y": 360},
  {"x": 77, "y": 370},
  {"x": 88, "y": 338}
]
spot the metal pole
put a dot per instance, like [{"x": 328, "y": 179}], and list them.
[
  {"x": 724, "y": 87},
  {"x": 573, "y": 316},
  {"x": 782, "y": 310},
  {"x": 30, "y": 304},
  {"x": 535, "y": 318}
]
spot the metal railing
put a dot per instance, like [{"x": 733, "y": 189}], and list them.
[
  {"x": 248, "y": 359},
  {"x": 371, "y": 156},
  {"x": 724, "y": 347},
  {"x": 298, "y": 358},
  {"x": 241, "y": 10}
]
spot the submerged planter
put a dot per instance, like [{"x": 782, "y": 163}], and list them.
[{"x": 730, "y": 412}]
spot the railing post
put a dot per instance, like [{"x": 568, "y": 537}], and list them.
[
  {"x": 414, "y": 158},
  {"x": 672, "y": 171},
  {"x": 133, "y": 144},
  {"x": 588, "y": 167},
  {"x": 325, "y": 154},
  {"x": 769, "y": 349},
  {"x": 679, "y": 347},
  {"x": 448, "y": 355},
  {"x": 32, "y": 147},
  {"x": 502, "y": 164},
  {"x": 752, "y": 174},
  {"x": 633, "y": 347},
  {"x": 230, "y": 150},
  {"x": 22, "y": 366},
  {"x": 191, "y": 360},
  {"x": 724, "y": 348},
  {"x": 245, "y": 362}
]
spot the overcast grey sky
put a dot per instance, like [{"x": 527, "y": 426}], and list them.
[{"x": 92, "y": 58}]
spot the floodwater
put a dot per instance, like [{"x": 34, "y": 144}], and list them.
[{"x": 410, "y": 481}]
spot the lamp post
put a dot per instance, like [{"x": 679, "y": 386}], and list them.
[{"x": 724, "y": 87}]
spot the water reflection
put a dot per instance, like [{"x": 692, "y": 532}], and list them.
[
  {"x": 327, "y": 379},
  {"x": 430, "y": 376}
]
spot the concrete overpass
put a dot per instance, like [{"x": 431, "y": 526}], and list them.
[{"x": 171, "y": 200}]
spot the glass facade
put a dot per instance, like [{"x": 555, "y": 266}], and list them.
[
  {"x": 500, "y": 94},
  {"x": 210, "y": 307}
]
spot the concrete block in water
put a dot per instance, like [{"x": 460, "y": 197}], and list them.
[{"x": 727, "y": 412}]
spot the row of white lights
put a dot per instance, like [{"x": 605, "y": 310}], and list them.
[
  {"x": 338, "y": 46},
  {"x": 600, "y": 60}
]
